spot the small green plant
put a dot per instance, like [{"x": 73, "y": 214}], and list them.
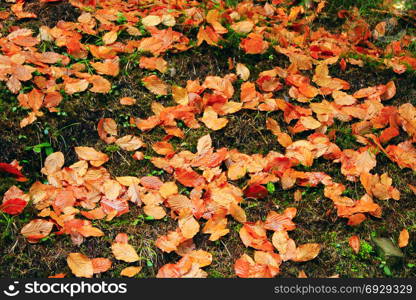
[
  {"x": 7, "y": 221},
  {"x": 366, "y": 250},
  {"x": 49, "y": 238},
  {"x": 215, "y": 274},
  {"x": 121, "y": 19},
  {"x": 383, "y": 265},
  {"x": 270, "y": 187},
  {"x": 141, "y": 219},
  {"x": 231, "y": 3},
  {"x": 156, "y": 173},
  {"x": 237, "y": 227},
  {"x": 112, "y": 148}
]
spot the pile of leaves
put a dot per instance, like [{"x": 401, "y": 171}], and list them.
[{"x": 75, "y": 195}]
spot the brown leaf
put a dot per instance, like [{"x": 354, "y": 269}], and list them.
[{"x": 53, "y": 163}]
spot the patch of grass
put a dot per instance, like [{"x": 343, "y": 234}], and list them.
[{"x": 365, "y": 6}]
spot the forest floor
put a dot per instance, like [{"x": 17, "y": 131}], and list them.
[{"x": 75, "y": 124}]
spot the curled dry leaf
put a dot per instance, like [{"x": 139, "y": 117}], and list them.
[
  {"x": 110, "y": 37},
  {"x": 242, "y": 71},
  {"x": 216, "y": 226},
  {"x": 285, "y": 245},
  {"x": 171, "y": 241},
  {"x": 168, "y": 189},
  {"x": 379, "y": 186},
  {"x": 53, "y": 163},
  {"x": 107, "y": 130},
  {"x": 127, "y": 101},
  {"x": 151, "y": 20},
  {"x": 201, "y": 257},
  {"x": 13, "y": 206},
  {"x": 187, "y": 267},
  {"x": 180, "y": 95},
  {"x": 155, "y": 211},
  {"x": 13, "y": 168},
  {"x": 154, "y": 63}
]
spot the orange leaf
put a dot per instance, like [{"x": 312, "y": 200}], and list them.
[
  {"x": 254, "y": 44},
  {"x": 130, "y": 271},
  {"x": 307, "y": 252},
  {"x": 354, "y": 242},
  {"x": 36, "y": 229},
  {"x": 124, "y": 252},
  {"x": 107, "y": 130},
  {"x": 403, "y": 238},
  {"x": 254, "y": 235},
  {"x": 130, "y": 143},
  {"x": 95, "y": 157},
  {"x": 127, "y": 101},
  {"x": 108, "y": 67},
  {"x": 101, "y": 264},
  {"x": 211, "y": 120},
  {"x": 110, "y": 37},
  {"x": 80, "y": 265},
  {"x": 154, "y": 63},
  {"x": 155, "y": 85}
]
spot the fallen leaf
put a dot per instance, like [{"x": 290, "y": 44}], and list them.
[
  {"x": 80, "y": 265},
  {"x": 124, "y": 252},
  {"x": 403, "y": 238},
  {"x": 354, "y": 242},
  {"x": 130, "y": 271}
]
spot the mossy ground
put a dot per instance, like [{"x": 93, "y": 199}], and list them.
[{"x": 75, "y": 125}]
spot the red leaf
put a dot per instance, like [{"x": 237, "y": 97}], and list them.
[
  {"x": 257, "y": 191},
  {"x": 13, "y": 206}
]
